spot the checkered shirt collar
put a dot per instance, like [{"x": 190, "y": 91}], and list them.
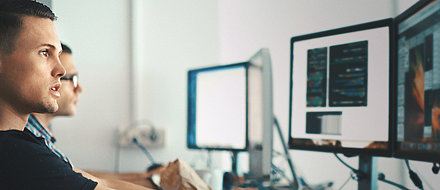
[{"x": 38, "y": 129}]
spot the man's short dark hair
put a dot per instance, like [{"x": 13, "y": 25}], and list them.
[
  {"x": 11, "y": 20},
  {"x": 66, "y": 48}
]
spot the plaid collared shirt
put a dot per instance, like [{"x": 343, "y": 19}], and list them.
[{"x": 35, "y": 127}]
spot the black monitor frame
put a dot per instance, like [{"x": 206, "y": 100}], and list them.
[
  {"x": 350, "y": 151},
  {"x": 191, "y": 125},
  {"x": 407, "y": 154}
]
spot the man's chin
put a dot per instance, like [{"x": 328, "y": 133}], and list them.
[{"x": 51, "y": 108}]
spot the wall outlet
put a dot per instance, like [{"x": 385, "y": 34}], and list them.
[{"x": 146, "y": 136}]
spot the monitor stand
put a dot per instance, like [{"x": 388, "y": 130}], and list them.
[
  {"x": 231, "y": 179},
  {"x": 367, "y": 173},
  {"x": 234, "y": 162}
]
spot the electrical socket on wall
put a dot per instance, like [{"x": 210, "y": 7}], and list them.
[{"x": 146, "y": 136}]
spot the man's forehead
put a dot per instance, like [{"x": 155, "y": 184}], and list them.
[{"x": 40, "y": 31}]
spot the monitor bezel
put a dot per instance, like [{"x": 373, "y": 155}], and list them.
[
  {"x": 409, "y": 154},
  {"x": 190, "y": 121},
  {"x": 349, "y": 151}
]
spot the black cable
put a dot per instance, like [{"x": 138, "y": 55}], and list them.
[
  {"x": 435, "y": 167},
  {"x": 351, "y": 168},
  {"x": 381, "y": 177},
  {"x": 355, "y": 173},
  {"x": 358, "y": 173},
  {"x": 414, "y": 177}
]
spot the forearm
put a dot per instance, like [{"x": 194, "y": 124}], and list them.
[
  {"x": 110, "y": 183},
  {"x": 135, "y": 178}
]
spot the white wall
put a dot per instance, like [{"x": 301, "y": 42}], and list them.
[
  {"x": 178, "y": 36},
  {"x": 97, "y": 32}
]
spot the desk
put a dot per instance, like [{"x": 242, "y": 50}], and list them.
[{"x": 136, "y": 178}]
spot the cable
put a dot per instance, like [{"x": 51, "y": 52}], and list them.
[
  {"x": 413, "y": 176},
  {"x": 381, "y": 177},
  {"x": 153, "y": 165},
  {"x": 351, "y": 168},
  {"x": 286, "y": 152},
  {"x": 426, "y": 184},
  {"x": 281, "y": 172},
  {"x": 346, "y": 181},
  {"x": 150, "y": 157},
  {"x": 435, "y": 167},
  {"x": 357, "y": 174}
]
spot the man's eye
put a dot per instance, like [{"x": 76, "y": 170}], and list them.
[{"x": 44, "y": 52}]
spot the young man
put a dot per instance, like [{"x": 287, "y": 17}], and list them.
[
  {"x": 38, "y": 123},
  {"x": 30, "y": 72}
]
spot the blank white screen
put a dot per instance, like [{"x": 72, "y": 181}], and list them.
[{"x": 221, "y": 108}]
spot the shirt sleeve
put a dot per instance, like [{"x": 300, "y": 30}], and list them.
[{"x": 29, "y": 164}]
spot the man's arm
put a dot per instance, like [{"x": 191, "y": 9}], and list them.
[
  {"x": 110, "y": 183},
  {"x": 140, "y": 178},
  {"x": 135, "y": 178}
]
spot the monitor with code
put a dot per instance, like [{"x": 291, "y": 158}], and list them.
[{"x": 340, "y": 90}]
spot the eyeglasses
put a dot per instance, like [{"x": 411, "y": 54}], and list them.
[{"x": 74, "y": 79}]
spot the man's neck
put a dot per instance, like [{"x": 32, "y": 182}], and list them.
[
  {"x": 44, "y": 119},
  {"x": 11, "y": 119}
]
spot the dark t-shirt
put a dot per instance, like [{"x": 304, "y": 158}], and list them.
[{"x": 26, "y": 163}]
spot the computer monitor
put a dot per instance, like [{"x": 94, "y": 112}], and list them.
[
  {"x": 340, "y": 90},
  {"x": 230, "y": 107},
  {"x": 418, "y": 82},
  {"x": 217, "y": 108}
]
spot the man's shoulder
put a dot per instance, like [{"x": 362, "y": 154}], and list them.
[
  {"x": 15, "y": 135},
  {"x": 17, "y": 139},
  {"x": 19, "y": 145},
  {"x": 28, "y": 159}
]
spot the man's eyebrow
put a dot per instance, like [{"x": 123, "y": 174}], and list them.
[{"x": 52, "y": 47}]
